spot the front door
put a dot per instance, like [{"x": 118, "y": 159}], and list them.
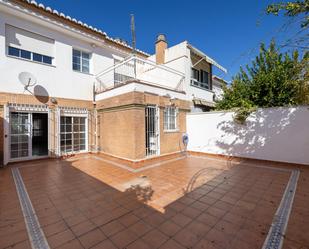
[{"x": 152, "y": 130}]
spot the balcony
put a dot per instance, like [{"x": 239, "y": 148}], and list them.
[
  {"x": 137, "y": 70},
  {"x": 199, "y": 84}
]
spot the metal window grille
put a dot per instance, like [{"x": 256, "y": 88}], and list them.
[
  {"x": 170, "y": 118},
  {"x": 152, "y": 136},
  {"x": 72, "y": 134}
]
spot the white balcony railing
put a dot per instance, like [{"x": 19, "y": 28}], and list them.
[
  {"x": 203, "y": 85},
  {"x": 134, "y": 69}
]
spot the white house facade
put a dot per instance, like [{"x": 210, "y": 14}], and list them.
[{"x": 68, "y": 88}]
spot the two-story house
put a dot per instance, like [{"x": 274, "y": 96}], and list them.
[
  {"x": 67, "y": 87},
  {"x": 197, "y": 67}
]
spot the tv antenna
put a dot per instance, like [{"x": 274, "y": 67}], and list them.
[
  {"x": 133, "y": 34},
  {"x": 27, "y": 80}
]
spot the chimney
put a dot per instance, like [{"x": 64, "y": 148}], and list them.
[{"x": 161, "y": 45}]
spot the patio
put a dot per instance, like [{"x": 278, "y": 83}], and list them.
[{"x": 190, "y": 201}]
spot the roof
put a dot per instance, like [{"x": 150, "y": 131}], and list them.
[
  {"x": 219, "y": 79},
  {"x": 207, "y": 58},
  {"x": 77, "y": 23}
]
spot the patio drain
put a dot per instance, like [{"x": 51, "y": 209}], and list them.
[
  {"x": 35, "y": 233},
  {"x": 275, "y": 237}
]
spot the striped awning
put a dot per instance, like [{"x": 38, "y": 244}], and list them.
[{"x": 203, "y": 102}]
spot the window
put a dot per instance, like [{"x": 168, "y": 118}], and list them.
[
  {"x": 81, "y": 61},
  {"x": 204, "y": 79},
  {"x": 170, "y": 118},
  {"x": 195, "y": 74},
  {"x": 30, "y": 46},
  {"x": 73, "y": 134},
  {"x": 20, "y": 53},
  {"x": 200, "y": 78}
]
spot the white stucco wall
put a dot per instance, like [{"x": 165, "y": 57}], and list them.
[
  {"x": 58, "y": 80},
  {"x": 277, "y": 134},
  {"x": 178, "y": 58}
]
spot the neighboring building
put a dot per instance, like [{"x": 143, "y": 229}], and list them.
[
  {"x": 89, "y": 92},
  {"x": 217, "y": 87},
  {"x": 197, "y": 67}
]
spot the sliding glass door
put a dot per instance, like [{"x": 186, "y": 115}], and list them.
[
  {"x": 28, "y": 135},
  {"x": 20, "y": 125}
]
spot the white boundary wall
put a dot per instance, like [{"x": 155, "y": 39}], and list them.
[{"x": 277, "y": 134}]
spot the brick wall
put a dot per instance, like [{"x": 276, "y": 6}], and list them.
[
  {"x": 122, "y": 132},
  {"x": 53, "y": 120},
  {"x": 122, "y": 124},
  {"x": 172, "y": 141}
]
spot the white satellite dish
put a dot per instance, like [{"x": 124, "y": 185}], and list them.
[{"x": 27, "y": 79}]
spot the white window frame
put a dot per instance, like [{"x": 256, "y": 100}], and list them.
[
  {"x": 72, "y": 115},
  {"x": 81, "y": 58},
  {"x": 170, "y": 123}
]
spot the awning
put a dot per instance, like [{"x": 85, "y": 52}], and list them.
[
  {"x": 203, "y": 102},
  {"x": 207, "y": 58}
]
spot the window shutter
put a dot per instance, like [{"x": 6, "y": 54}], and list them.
[{"x": 23, "y": 39}]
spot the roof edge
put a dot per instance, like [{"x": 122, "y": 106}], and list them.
[{"x": 33, "y": 5}]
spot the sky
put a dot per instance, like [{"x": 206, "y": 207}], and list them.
[{"x": 228, "y": 31}]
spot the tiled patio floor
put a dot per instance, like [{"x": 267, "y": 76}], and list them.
[{"x": 192, "y": 202}]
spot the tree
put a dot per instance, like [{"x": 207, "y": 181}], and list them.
[
  {"x": 291, "y": 9},
  {"x": 273, "y": 79},
  {"x": 298, "y": 12}
]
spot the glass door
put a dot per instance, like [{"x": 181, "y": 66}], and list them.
[
  {"x": 72, "y": 134},
  {"x": 20, "y": 124}
]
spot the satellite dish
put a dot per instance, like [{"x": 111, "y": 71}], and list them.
[{"x": 27, "y": 79}]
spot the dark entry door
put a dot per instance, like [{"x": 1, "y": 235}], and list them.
[{"x": 39, "y": 134}]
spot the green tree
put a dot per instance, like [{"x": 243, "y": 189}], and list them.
[
  {"x": 298, "y": 12},
  {"x": 291, "y": 9},
  {"x": 272, "y": 79}
]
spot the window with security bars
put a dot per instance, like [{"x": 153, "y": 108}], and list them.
[
  {"x": 73, "y": 134},
  {"x": 170, "y": 118}
]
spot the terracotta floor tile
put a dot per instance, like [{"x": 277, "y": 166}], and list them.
[
  {"x": 169, "y": 228},
  {"x": 140, "y": 228},
  {"x": 60, "y": 238},
  {"x": 82, "y": 228},
  {"x": 139, "y": 244},
  {"x": 198, "y": 228},
  {"x": 154, "y": 238},
  {"x": 123, "y": 238},
  {"x": 92, "y": 238},
  {"x": 181, "y": 219},
  {"x": 171, "y": 244},
  {"x": 55, "y": 228},
  {"x": 106, "y": 244},
  {"x": 210, "y": 199},
  {"x": 205, "y": 244},
  {"x": 112, "y": 228},
  {"x": 73, "y": 244},
  {"x": 186, "y": 238},
  {"x": 207, "y": 219},
  {"x": 128, "y": 219}
]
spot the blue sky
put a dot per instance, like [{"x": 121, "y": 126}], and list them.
[{"x": 228, "y": 31}]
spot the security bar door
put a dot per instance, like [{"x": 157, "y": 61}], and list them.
[{"x": 152, "y": 130}]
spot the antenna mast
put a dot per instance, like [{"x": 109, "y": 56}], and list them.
[{"x": 133, "y": 34}]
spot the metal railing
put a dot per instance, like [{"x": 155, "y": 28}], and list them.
[{"x": 135, "y": 69}]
